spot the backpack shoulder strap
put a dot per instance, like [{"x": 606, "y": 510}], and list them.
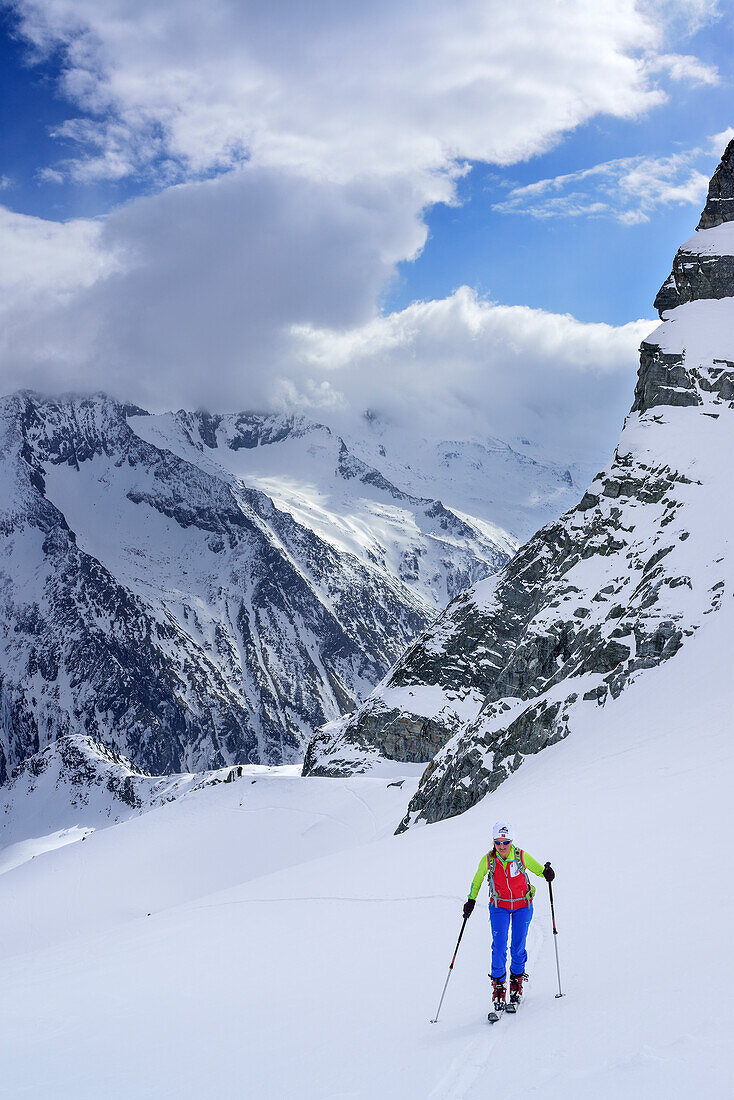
[
  {"x": 490, "y": 877},
  {"x": 520, "y": 855}
]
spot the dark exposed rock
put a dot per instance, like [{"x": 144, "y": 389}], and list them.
[
  {"x": 485, "y": 762},
  {"x": 663, "y": 380},
  {"x": 698, "y": 275},
  {"x": 695, "y": 276},
  {"x": 394, "y": 734},
  {"x": 208, "y": 429},
  {"x": 719, "y": 206},
  {"x": 719, "y": 379}
]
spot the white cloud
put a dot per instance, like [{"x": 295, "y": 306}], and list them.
[
  {"x": 42, "y": 259},
  {"x": 122, "y": 305},
  {"x": 336, "y": 91},
  {"x": 232, "y": 316},
  {"x": 684, "y": 67},
  {"x": 627, "y": 189},
  {"x": 682, "y": 18},
  {"x": 188, "y": 296},
  {"x": 719, "y": 142}
]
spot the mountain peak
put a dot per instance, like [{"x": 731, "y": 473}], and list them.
[
  {"x": 703, "y": 267},
  {"x": 719, "y": 206}
]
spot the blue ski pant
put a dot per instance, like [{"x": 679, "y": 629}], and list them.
[{"x": 501, "y": 921}]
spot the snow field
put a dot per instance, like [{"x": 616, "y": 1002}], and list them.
[{"x": 296, "y": 948}]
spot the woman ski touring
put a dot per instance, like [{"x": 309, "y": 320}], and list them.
[{"x": 510, "y": 910}]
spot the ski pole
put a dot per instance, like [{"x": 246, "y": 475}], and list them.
[
  {"x": 451, "y": 967},
  {"x": 555, "y": 941}
]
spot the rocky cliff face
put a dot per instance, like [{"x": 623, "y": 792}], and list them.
[
  {"x": 598, "y": 598},
  {"x": 154, "y": 600},
  {"x": 703, "y": 267}
]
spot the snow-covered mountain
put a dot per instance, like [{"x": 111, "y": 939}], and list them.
[
  {"x": 513, "y": 484},
  {"x": 195, "y": 591},
  {"x": 594, "y": 601},
  {"x": 310, "y": 473}
]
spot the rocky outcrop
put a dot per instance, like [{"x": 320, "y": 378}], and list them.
[
  {"x": 593, "y": 601},
  {"x": 380, "y": 731},
  {"x": 719, "y": 206},
  {"x": 694, "y": 277},
  {"x": 663, "y": 380},
  {"x": 702, "y": 268},
  {"x": 618, "y": 596}
]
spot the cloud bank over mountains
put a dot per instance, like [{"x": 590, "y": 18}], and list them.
[
  {"x": 464, "y": 365},
  {"x": 290, "y": 155}
]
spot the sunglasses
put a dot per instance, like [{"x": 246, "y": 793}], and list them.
[{"x": 503, "y": 842}]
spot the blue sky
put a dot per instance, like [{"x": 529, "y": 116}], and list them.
[
  {"x": 269, "y": 192},
  {"x": 597, "y": 268}
]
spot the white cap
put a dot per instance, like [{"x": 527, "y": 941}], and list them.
[{"x": 502, "y": 830}]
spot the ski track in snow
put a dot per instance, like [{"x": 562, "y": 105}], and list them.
[
  {"x": 475, "y": 1059},
  {"x": 331, "y": 897},
  {"x": 367, "y": 807}
]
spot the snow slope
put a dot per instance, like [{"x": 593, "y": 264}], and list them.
[
  {"x": 273, "y": 939},
  {"x": 76, "y": 785}
]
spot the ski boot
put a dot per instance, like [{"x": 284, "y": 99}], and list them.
[
  {"x": 498, "y": 994},
  {"x": 516, "y": 981}
]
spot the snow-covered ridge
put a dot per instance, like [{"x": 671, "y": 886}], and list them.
[
  {"x": 309, "y": 473},
  {"x": 591, "y": 604},
  {"x": 76, "y": 785}
]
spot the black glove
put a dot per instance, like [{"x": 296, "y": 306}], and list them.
[
  {"x": 469, "y": 907},
  {"x": 548, "y": 873}
]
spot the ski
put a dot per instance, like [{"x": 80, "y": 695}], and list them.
[{"x": 494, "y": 1017}]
